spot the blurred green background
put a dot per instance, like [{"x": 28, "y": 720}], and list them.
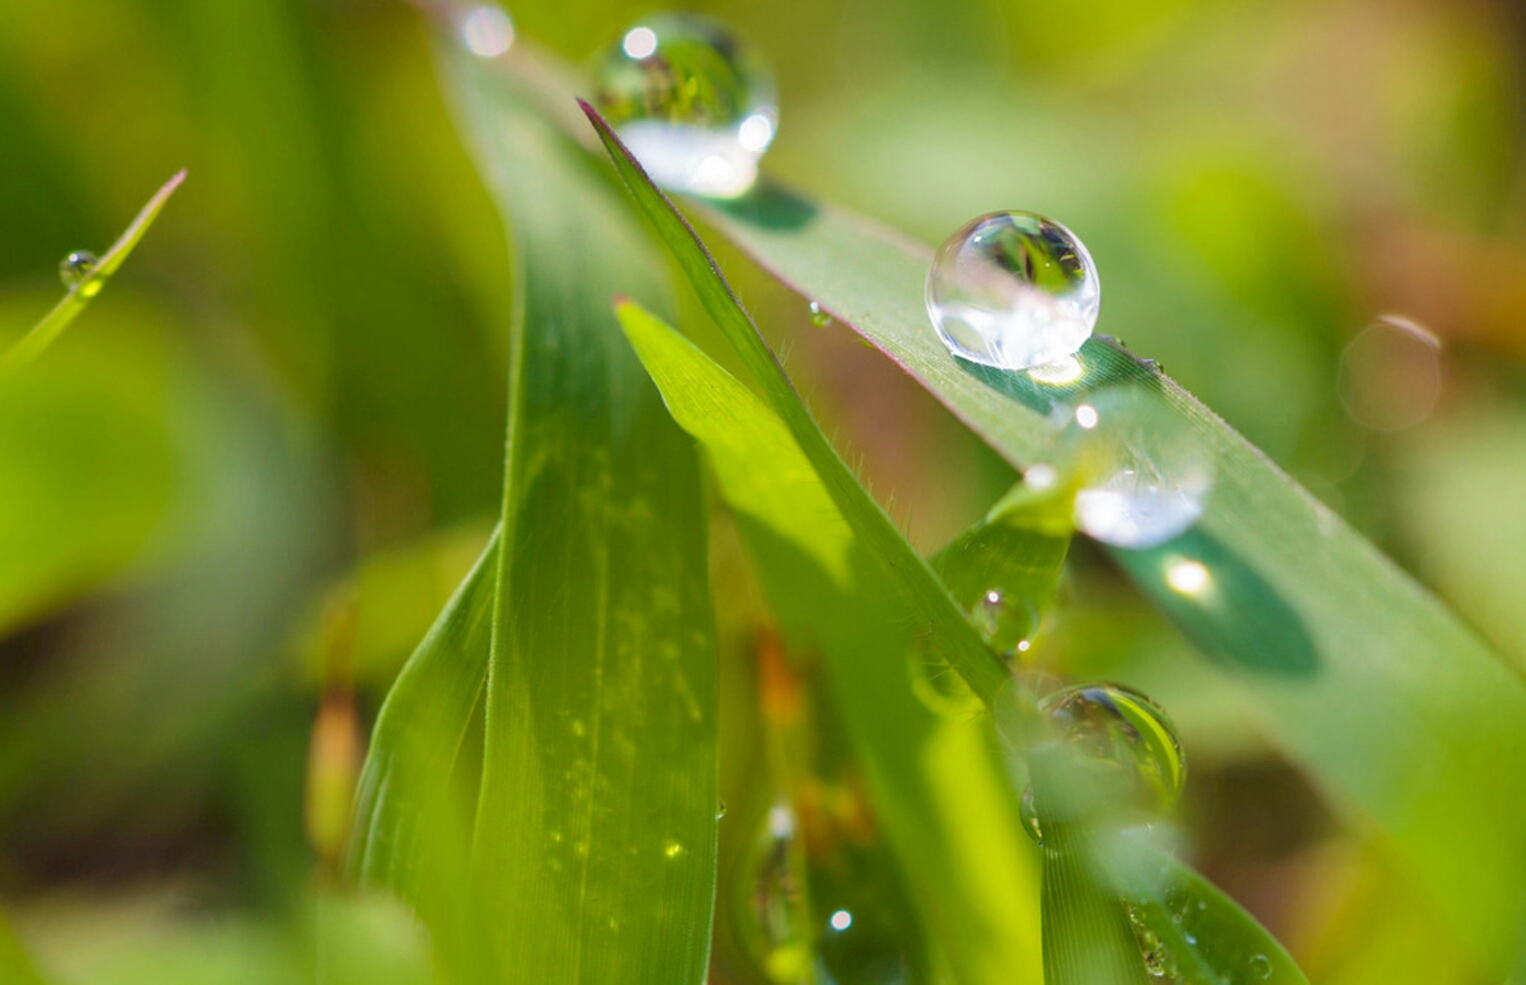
[{"x": 251, "y": 473}]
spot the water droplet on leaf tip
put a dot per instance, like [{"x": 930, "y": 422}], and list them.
[
  {"x": 1013, "y": 290},
  {"x": 693, "y": 103},
  {"x": 75, "y": 267},
  {"x": 487, "y": 31},
  {"x": 819, "y": 316}
]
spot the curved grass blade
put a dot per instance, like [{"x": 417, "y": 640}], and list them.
[
  {"x": 1401, "y": 714},
  {"x": 401, "y": 800},
  {"x": 45, "y": 332},
  {"x": 594, "y": 850},
  {"x": 948, "y": 624},
  {"x": 940, "y": 791}
]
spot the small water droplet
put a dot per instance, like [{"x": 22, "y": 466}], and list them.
[
  {"x": 75, "y": 267},
  {"x": 1125, "y": 738},
  {"x": 1030, "y": 818},
  {"x": 486, "y": 31},
  {"x": 1004, "y": 619},
  {"x": 819, "y": 316},
  {"x": 672, "y": 849},
  {"x": 1149, "y": 474},
  {"x": 694, "y": 105},
  {"x": 1261, "y": 966},
  {"x": 1013, "y": 290},
  {"x": 720, "y": 810},
  {"x": 1188, "y": 577}
]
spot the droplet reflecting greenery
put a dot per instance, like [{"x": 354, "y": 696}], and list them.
[
  {"x": 1123, "y": 739},
  {"x": 775, "y": 923},
  {"x": 819, "y": 316},
  {"x": 693, "y": 103},
  {"x": 1147, "y": 473},
  {"x": 1005, "y": 620},
  {"x": 74, "y": 268},
  {"x": 1030, "y": 818},
  {"x": 1013, "y": 290}
]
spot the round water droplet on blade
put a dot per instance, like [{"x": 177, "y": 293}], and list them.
[
  {"x": 720, "y": 810},
  {"x": 1261, "y": 966},
  {"x": 692, "y": 102},
  {"x": 1148, "y": 474},
  {"x": 486, "y": 31},
  {"x": 1005, "y": 620},
  {"x": 1013, "y": 290},
  {"x": 1123, "y": 739},
  {"x": 75, "y": 267},
  {"x": 819, "y": 316}
]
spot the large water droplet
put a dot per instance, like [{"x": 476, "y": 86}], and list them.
[
  {"x": 1013, "y": 290},
  {"x": 75, "y": 267},
  {"x": 1148, "y": 474},
  {"x": 1123, "y": 739},
  {"x": 692, "y": 102},
  {"x": 775, "y": 930},
  {"x": 486, "y": 31}
]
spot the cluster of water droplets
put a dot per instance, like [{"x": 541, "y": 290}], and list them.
[{"x": 691, "y": 101}]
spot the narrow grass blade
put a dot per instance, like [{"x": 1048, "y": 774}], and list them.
[
  {"x": 954, "y": 633},
  {"x": 594, "y": 851},
  {"x": 939, "y": 789},
  {"x": 1398, "y": 711},
  {"x": 45, "y": 332}
]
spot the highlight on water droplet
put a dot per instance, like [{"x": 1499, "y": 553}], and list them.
[
  {"x": 1061, "y": 373},
  {"x": 819, "y": 316},
  {"x": 74, "y": 268},
  {"x": 840, "y": 920},
  {"x": 1013, "y": 290},
  {"x": 1005, "y": 620},
  {"x": 1261, "y": 966},
  {"x": 486, "y": 31},
  {"x": 1124, "y": 740},
  {"x": 695, "y": 105},
  {"x": 1390, "y": 374},
  {"x": 1147, "y": 474}
]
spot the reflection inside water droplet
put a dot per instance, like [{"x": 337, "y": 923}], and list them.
[
  {"x": 1148, "y": 473},
  {"x": 694, "y": 105},
  {"x": 1123, "y": 740},
  {"x": 1013, "y": 290},
  {"x": 74, "y": 268},
  {"x": 819, "y": 316},
  {"x": 487, "y": 31}
]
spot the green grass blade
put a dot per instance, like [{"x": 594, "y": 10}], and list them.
[
  {"x": 1399, "y": 712},
  {"x": 941, "y": 793},
  {"x": 16, "y": 966},
  {"x": 401, "y": 804},
  {"x": 45, "y": 332},
  {"x": 594, "y": 851},
  {"x": 955, "y": 635}
]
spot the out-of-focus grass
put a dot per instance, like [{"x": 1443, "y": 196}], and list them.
[{"x": 305, "y": 363}]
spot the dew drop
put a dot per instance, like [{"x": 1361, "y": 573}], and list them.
[
  {"x": 775, "y": 928},
  {"x": 75, "y": 267},
  {"x": 1124, "y": 738},
  {"x": 720, "y": 810},
  {"x": 819, "y": 316},
  {"x": 486, "y": 31},
  {"x": 694, "y": 104},
  {"x": 1030, "y": 818},
  {"x": 1148, "y": 474},
  {"x": 1004, "y": 619},
  {"x": 1261, "y": 966},
  {"x": 1013, "y": 290}
]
